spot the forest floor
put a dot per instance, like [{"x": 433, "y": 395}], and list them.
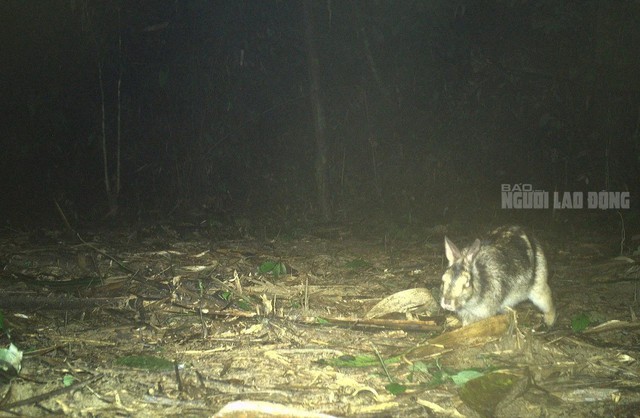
[{"x": 181, "y": 320}]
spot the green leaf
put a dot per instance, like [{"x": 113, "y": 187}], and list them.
[
  {"x": 224, "y": 295},
  {"x": 439, "y": 377},
  {"x": 580, "y": 322},
  {"x": 420, "y": 366},
  {"x": 395, "y": 388},
  {"x": 11, "y": 362},
  {"x": 266, "y": 267},
  {"x": 68, "y": 380},
  {"x": 281, "y": 268},
  {"x": 272, "y": 267},
  {"x": 485, "y": 393},
  {"x": 244, "y": 305},
  {"x": 418, "y": 369},
  {"x": 464, "y": 376}
]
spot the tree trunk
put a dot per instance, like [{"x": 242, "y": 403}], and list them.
[{"x": 319, "y": 121}]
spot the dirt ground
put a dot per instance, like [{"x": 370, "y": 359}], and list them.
[{"x": 181, "y": 320}]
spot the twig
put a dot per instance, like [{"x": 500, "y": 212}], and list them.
[
  {"x": 622, "y": 232},
  {"x": 56, "y": 392},
  {"x": 134, "y": 273},
  {"x": 12, "y": 301},
  {"x": 64, "y": 218},
  {"x": 384, "y": 366}
]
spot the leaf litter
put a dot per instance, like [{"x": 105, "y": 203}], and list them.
[{"x": 164, "y": 324}]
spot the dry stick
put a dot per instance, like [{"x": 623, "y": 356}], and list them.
[
  {"x": 122, "y": 266},
  {"x": 306, "y": 294},
  {"x": 344, "y": 157},
  {"x": 377, "y": 324},
  {"x": 178, "y": 378},
  {"x": 73, "y": 232},
  {"x": 56, "y": 392},
  {"x": 12, "y": 301},
  {"x": 205, "y": 332},
  {"x": 622, "y": 233},
  {"x": 119, "y": 120},
  {"x": 64, "y": 218},
  {"x": 104, "y": 134}
]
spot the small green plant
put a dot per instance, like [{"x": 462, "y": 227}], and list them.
[
  {"x": 224, "y": 295},
  {"x": 68, "y": 380},
  {"x": 580, "y": 322},
  {"x": 459, "y": 378},
  {"x": 395, "y": 388},
  {"x": 275, "y": 268}
]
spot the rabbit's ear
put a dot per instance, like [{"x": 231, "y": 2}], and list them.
[
  {"x": 452, "y": 252},
  {"x": 473, "y": 251}
]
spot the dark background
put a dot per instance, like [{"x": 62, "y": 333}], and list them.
[{"x": 430, "y": 107}]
